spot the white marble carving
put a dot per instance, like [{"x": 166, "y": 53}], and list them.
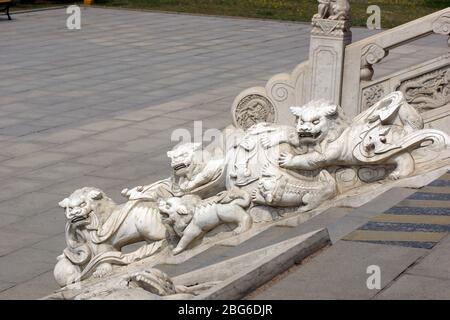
[
  {"x": 371, "y": 95},
  {"x": 291, "y": 153},
  {"x": 333, "y": 10},
  {"x": 148, "y": 284},
  {"x": 442, "y": 25},
  {"x": 372, "y": 50},
  {"x": 425, "y": 87},
  {"x": 253, "y": 109},
  {"x": 97, "y": 229},
  {"x": 428, "y": 91},
  {"x": 267, "y": 168},
  {"x": 371, "y": 54},
  {"x": 192, "y": 217}
]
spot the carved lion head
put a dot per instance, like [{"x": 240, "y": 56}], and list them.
[
  {"x": 178, "y": 211},
  {"x": 319, "y": 120},
  {"x": 175, "y": 206},
  {"x": 82, "y": 203},
  {"x": 182, "y": 157}
]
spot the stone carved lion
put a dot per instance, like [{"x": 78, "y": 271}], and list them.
[
  {"x": 178, "y": 211},
  {"x": 333, "y": 10},
  {"x": 252, "y": 165},
  {"x": 193, "y": 168},
  {"x": 194, "y": 171},
  {"x": 385, "y": 134},
  {"x": 97, "y": 229},
  {"x": 281, "y": 166},
  {"x": 192, "y": 217}
]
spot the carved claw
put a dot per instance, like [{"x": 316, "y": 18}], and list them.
[
  {"x": 285, "y": 159},
  {"x": 267, "y": 171},
  {"x": 394, "y": 175},
  {"x": 132, "y": 193},
  {"x": 265, "y": 141},
  {"x": 253, "y": 194},
  {"x": 102, "y": 270}
]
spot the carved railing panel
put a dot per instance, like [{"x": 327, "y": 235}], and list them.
[
  {"x": 372, "y": 50},
  {"x": 442, "y": 25},
  {"x": 426, "y": 87},
  {"x": 428, "y": 91}
]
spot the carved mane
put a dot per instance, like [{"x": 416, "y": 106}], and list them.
[{"x": 336, "y": 118}]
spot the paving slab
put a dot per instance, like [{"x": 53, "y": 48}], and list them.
[
  {"x": 35, "y": 288},
  {"x": 411, "y": 222},
  {"x": 36, "y": 160},
  {"x": 29, "y": 204},
  {"x": 436, "y": 264},
  {"x": 383, "y": 202},
  {"x": 16, "y": 266},
  {"x": 48, "y": 223},
  {"x": 340, "y": 272},
  {"x": 54, "y": 244},
  {"x": 5, "y": 285},
  {"x": 414, "y": 287},
  {"x": 12, "y": 240},
  {"x": 67, "y": 187}
]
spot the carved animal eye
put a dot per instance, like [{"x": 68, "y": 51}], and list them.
[
  {"x": 83, "y": 204},
  {"x": 316, "y": 121}
]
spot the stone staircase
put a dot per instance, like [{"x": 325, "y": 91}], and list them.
[
  {"x": 419, "y": 221},
  {"x": 401, "y": 241}
]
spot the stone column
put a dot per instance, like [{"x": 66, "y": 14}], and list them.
[{"x": 326, "y": 57}]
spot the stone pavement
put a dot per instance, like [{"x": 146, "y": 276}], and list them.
[
  {"x": 409, "y": 242},
  {"x": 97, "y": 107}
]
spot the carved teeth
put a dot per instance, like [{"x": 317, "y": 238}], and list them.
[
  {"x": 309, "y": 134},
  {"x": 179, "y": 166},
  {"x": 77, "y": 219}
]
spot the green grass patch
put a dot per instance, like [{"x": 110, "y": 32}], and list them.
[{"x": 393, "y": 12}]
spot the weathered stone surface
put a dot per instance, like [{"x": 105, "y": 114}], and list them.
[
  {"x": 436, "y": 264},
  {"x": 417, "y": 287},
  {"x": 14, "y": 267},
  {"x": 330, "y": 276},
  {"x": 253, "y": 173},
  {"x": 34, "y": 288},
  {"x": 70, "y": 109}
]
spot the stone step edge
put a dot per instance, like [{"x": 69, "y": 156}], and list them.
[{"x": 291, "y": 252}]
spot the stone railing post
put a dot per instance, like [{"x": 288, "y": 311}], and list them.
[{"x": 329, "y": 37}]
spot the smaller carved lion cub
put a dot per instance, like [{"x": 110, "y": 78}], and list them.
[{"x": 192, "y": 217}]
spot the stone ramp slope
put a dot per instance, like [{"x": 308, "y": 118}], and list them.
[{"x": 408, "y": 242}]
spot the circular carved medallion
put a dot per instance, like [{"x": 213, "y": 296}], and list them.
[{"x": 253, "y": 109}]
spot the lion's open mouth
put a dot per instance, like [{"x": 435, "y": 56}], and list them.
[
  {"x": 179, "y": 166},
  {"x": 78, "y": 219},
  {"x": 163, "y": 214},
  {"x": 309, "y": 134}
]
